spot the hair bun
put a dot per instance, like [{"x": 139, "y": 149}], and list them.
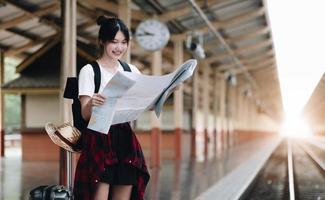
[{"x": 101, "y": 19}]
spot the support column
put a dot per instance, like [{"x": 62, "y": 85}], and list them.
[
  {"x": 23, "y": 112},
  {"x": 231, "y": 113},
  {"x": 155, "y": 158},
  {"x": 195, "y": 108},
  {"x": 2, "y": 105},
  {"x": 222, "y": 107},
  {"x": 216, "y": 101},
  {"x": 206, "y": 106},
  {"x": 246, "y": 114},
  {"x": 250, "y": 115},
  {"x": 239, "y": 114},
  {"x": 227, "y": 118},
  {"x": 68, "y": 68},
  {"x": 235, "y": 116},
  {"x": 254, "y": 117},
  {"x": 124, "y": 13},
  {"x": 178, "y": 101}
]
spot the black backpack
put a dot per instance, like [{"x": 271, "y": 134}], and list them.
[{"x": 71, "y": 92}]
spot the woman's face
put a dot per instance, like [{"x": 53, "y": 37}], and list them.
[{"x": 116, "y": 48}]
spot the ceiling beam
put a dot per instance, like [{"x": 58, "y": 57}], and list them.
[
  {"x": 85, "y": 11},
  {"x": 104, "y": 5},
  {"x": 28, "y": 15},
  {"x": 250, "y": 35},
  {"x": 222, "y": 24},
  {"x": 17, "y": 50},
  {"x": 23, "y": 33},
  {"x": 253, "y": 47},
  {"x": 241, "y": 18},
  {"x": 174, "y": 14},
  {"x": 232, "y": 41},
  {"x": 85, "y": 54},
  {"x": 251, "y": 68},
  {"x": 238, "y": 52},
  {"x": 180, "y": 12},
  {"x": 232, "y": 66},
  {"x": 36, "y": 55},
  {"x": 225, "y": 67},
  {"x": 256, "y": 59},
  {"x": 113, "y": 8}
]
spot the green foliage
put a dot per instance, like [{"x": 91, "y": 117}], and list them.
[
  {"x": 12, "y": 111},
  {"x": 12, "y": 108},
  {"x": 10, "y": 68}
]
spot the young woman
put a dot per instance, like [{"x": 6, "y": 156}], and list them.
[{"x": 111, "y": 165}]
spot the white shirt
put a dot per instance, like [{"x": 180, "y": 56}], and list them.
[{"x": 86, "y": 78}]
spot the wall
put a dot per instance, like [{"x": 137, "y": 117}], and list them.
[
  {"x": 265, "y": 124},
  {"x": 167, "y": 117},
  {"x": 41, "y": 109}
]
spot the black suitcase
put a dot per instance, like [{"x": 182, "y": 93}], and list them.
[{"x": 50, "y": 192}]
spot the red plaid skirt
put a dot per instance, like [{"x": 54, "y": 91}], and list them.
[{"x": 97, "y": 153}]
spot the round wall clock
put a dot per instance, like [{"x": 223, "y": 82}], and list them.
[{"x": 152, "y": 34}]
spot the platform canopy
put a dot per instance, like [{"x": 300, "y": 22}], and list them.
[
  {"x": 314, "y": 109},
  {"x": 236, "y": 36}
]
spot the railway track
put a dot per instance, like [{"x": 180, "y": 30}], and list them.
[{"x": 295, "y": 170}]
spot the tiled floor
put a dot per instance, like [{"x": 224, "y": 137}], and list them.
[
  {"x": 174, "y": 180},
  {"x": 18, "y": 178}
]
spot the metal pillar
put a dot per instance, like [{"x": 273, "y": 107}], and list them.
[
  {"x": 68, "y": 68},
  {"x": 156, "y": 122}
]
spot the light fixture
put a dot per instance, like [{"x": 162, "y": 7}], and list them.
[
  {"x": 231, "y": 78},
  {"x": 194, "y": 43},
  {"x": 248, "y": 92}
]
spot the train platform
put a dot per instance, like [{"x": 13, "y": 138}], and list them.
[
  {"x": 186, "y": 179},
  {"x": 234, "y": 184}
]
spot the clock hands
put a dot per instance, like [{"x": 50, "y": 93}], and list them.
[{"x": 145, "y": 33}]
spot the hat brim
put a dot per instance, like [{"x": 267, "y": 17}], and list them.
[{"x": 51, "y": 130}]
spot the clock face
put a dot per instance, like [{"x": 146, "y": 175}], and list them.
[{"x": 152, "y": 35}]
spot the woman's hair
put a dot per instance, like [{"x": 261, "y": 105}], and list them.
[{"x": 109, "y": 26}]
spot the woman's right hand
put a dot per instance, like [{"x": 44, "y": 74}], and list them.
[{"x": 97, "y": 99}]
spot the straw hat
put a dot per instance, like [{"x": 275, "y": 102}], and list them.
[{"x": 65, "y": 136}]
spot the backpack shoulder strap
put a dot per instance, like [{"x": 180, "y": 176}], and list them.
[
  {"x": 97, "y": 77},
  {"x": 125, "y": 66}
]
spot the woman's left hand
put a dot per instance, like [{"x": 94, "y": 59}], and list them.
[{"x": 97, "y": 99}]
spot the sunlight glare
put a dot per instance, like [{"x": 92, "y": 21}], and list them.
[
  {"x": 298, "y": 38},
  {"x": 295, "y": 127}
]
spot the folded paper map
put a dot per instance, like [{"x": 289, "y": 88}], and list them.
[{"x": 130, "y": 94}]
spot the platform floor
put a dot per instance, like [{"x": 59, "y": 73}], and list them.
[{"x": 174, "y": 180}]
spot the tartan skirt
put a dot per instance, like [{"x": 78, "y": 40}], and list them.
[{"x": 102, "y": 157}]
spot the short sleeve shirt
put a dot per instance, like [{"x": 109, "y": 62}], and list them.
[{"x": 86, "y": 78}]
